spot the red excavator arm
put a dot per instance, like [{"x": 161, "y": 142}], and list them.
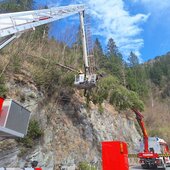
[{"x": 139, "y": 118}]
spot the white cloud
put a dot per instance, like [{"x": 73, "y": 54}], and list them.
[
  {"x": 111, "y": 20},
  {"x": 159, "y": 12},
  {"x": 114, "y": 21},
  {"x": 155, "y": 5},
  {"x": 52, "y": 3}
]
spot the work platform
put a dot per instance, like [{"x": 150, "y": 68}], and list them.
[{"x": 82, "y": 82}]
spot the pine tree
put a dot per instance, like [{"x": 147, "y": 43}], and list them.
[
  {"x": 115, "y": 61},
  {"x": 133, "y": 60},
  {"x": 136, "y": 76},
  {"x": 112, "y": 49},
  {"x": 98, "y": 53}
]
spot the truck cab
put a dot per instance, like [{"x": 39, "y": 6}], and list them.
[{"x": 158, "y": 147}]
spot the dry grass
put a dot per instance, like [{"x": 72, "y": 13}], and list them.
[{"x": 157, "y": 117}]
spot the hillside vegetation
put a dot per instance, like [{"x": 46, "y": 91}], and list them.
[
  {"x": 125, "y": 85},
  {"x": 38, "y": 56},
  {"x": 151, "y": 81}
]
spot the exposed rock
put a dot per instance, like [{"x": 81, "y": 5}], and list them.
[{"x": 72, "y": 133}]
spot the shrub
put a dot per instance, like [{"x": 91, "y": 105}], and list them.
[
  {"x": 86, "y": 166},
  {"x": 100, "y": 109},
  {"x": 3, "y": 89},
  {"x": 104, "y": 86},
  {"x": 67, "y": 79},
  {"x": 22, "y": 152},
  {"x": 47, "y": 78},
  {"x": 16, "y": 63},
  {"x": 109, "y": 88},
  {"x": 34, "y": 133},
  {"x": 123, "y": 99}
]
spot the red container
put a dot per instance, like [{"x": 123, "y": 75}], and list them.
[
  {"x": 1, "y": 103},
  {"x": 115, "y": 156},
  {"x": 38, "y": 168}
]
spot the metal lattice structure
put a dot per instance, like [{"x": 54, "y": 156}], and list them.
[
  {"x": 13, "y": 23},
  {"x": 90, "y": 45}
]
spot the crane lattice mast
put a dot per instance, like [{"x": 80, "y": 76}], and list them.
[{"x": 14, "y": 24}]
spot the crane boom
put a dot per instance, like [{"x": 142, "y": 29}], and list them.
[
  {"x": 12, "y": 23},
  {"x": 86, "y": 80},
  {"x": 150, "y": 155},
  {"x": 139, "y": 118},
  {"x": 83, "y": 34}
]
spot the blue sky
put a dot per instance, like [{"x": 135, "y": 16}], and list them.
[{"x": 141, "y": 26}]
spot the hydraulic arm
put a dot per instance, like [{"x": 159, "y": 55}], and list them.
[{"x": 139, "y": 118}]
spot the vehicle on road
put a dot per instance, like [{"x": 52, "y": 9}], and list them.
[{"x": 154, "y": 151}]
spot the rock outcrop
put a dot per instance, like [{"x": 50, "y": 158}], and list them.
[{"x": 72, "y": 133}]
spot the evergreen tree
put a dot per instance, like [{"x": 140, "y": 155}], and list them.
[
  {"x": 26, "y": 4},
  {"x": 133, "y": 60},
  {"x": 98, "y": 48},
  {"x": 114, "y": 63},
  {"x": 112, "y": 49},
  {"x": 98, "y": 54},
  {"x": 136, "y": 76},
  {"x": 16, "y": 5}
]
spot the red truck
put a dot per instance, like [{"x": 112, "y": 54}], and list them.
[{"x": 154, "y": 152}]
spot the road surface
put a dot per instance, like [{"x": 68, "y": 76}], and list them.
[{"x": 139, "y": 168}]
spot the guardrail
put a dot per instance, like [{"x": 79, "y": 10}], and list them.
[
  {"x": 135, "y": 155},
  {"x": 21, "y": 169}
]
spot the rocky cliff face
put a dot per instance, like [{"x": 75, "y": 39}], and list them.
[{"x": 71, "y": 132}]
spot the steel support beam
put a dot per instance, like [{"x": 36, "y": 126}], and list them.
[{"x": 12, "y": 23}]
